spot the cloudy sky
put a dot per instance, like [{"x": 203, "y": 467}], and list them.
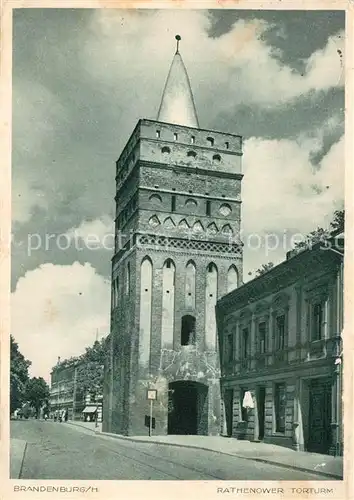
[{"x": 81, "y": 81}]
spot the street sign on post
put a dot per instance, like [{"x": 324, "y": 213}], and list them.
[{"x": 151, "y": 395}]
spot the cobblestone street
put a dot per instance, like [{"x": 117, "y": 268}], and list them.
[{"x": 62, "y": 451}]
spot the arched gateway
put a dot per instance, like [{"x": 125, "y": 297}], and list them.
[{"x": 187, "y": 408}]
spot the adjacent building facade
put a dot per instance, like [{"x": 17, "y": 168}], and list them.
[
  {"x": 62, "y": 391},
  {"x": 64, "y": 394},
  {"x": 280, "y": 350},
  {"x": 177, "y": 251}
]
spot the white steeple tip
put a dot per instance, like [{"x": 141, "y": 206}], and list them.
[{"x": 177, "y": 103}]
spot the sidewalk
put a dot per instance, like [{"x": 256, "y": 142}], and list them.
[
  {"x": 325, "y": 465},
  {"x": 17, "y": 453}
]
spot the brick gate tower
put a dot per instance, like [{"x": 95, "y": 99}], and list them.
[{"x": 177, "y": 251}]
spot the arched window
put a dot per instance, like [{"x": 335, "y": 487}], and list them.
[
  {"x": 168, "y": 303},
  {"x": 165, "y": 150},
  {"x": 210, "y": 141},
  {"x": 190, "y": 285},
  {"x": 193, "y": 154},
  {"x": 225, "y": 209},
  {"x": 211, "y": 291},
  {"x": 232, "y": 278},
  {"x": 227, "y": 230},
  {"x": 116, "y": 293},
  {"x": 188, "y": 330},
  {"x": 198, "y": 227},
  {"x": 113, "y": 300},
  {"x": 155, "y": 198},
  {"x": 190, "y": 203},
  {"x": 212, "y": 228},
  {"x": 217, "y": 158},
  {"x": 145, "y": 312},
  {"x": 183, "y": 224},
  {"x": 154, "y": 221},
  {"x": 127, "y": 279}
]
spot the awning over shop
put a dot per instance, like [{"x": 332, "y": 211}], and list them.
[{"x": 90, "y": 409}]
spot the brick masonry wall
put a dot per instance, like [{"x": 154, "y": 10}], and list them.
[{"x": 200, "y": 178}]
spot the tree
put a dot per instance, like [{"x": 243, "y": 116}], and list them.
[
  {"x": 337, "y": 223},
  {"x": 18, "y": 376},
  {"x": 90, "y": 371},
  {"x": 321, "y": 235},
  {"x": 264, "y": 269},
  {"x": 37, "y": 393},
  {"x": 89, "y": 378},
  {"x": 316, "y": 236}
]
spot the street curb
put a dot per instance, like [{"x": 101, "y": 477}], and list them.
[
  {"x": 178, "y": 445},
  {"x": 16, "y": 460}
]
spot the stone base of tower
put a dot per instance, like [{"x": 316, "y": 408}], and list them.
[{"x": 188, "y": 402}]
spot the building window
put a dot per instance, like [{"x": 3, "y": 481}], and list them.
[
  {"x": 193, "y": 154},
  {"x": 217, "y": 158},
  {"x": 317, "y": 330},
  {"x": 173, "y": 203},
  {"x": 192, "y": 139},
  {"x": 227, "y": 145},
  {"x": 230, "y": 348},
  {"x": 166, "y": 150},
  {"x": 175, "y": 136},
  {"x": 262, "y": 336},
  {"x": 127, "y": 279},
  {"x": 245, "y": 338},
  {"x": 158, "y": 134},
  {"x": 280, "y": 407},
  {"x": 207, "y": 207},
  {"x": 280, "y": 332},
  {"x": 188, "y": 330},
  {"x": 210, "y": 141}
]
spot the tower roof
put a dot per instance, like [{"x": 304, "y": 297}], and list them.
[{"x": 177, "y": 104}]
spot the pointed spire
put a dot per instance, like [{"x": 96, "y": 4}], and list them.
[
  {"x": 178, "y": 38},
  {"x": 177, "y": 103}
]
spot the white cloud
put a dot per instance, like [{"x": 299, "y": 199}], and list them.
[
  {"x": 294, "y": 193},
  {"x": 56, "y": 311},
  {"x": 284, "y": 194},
  {"x": 240, "y": 63},
  {"x": 100, "y": 230}
]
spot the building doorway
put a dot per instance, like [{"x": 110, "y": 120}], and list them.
[
  {"x": 261, "y": 411},
  {"x": 187, "y": 408},
  {"x": 319, "y": 436},
  {"x": 228, "y": 405}
]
